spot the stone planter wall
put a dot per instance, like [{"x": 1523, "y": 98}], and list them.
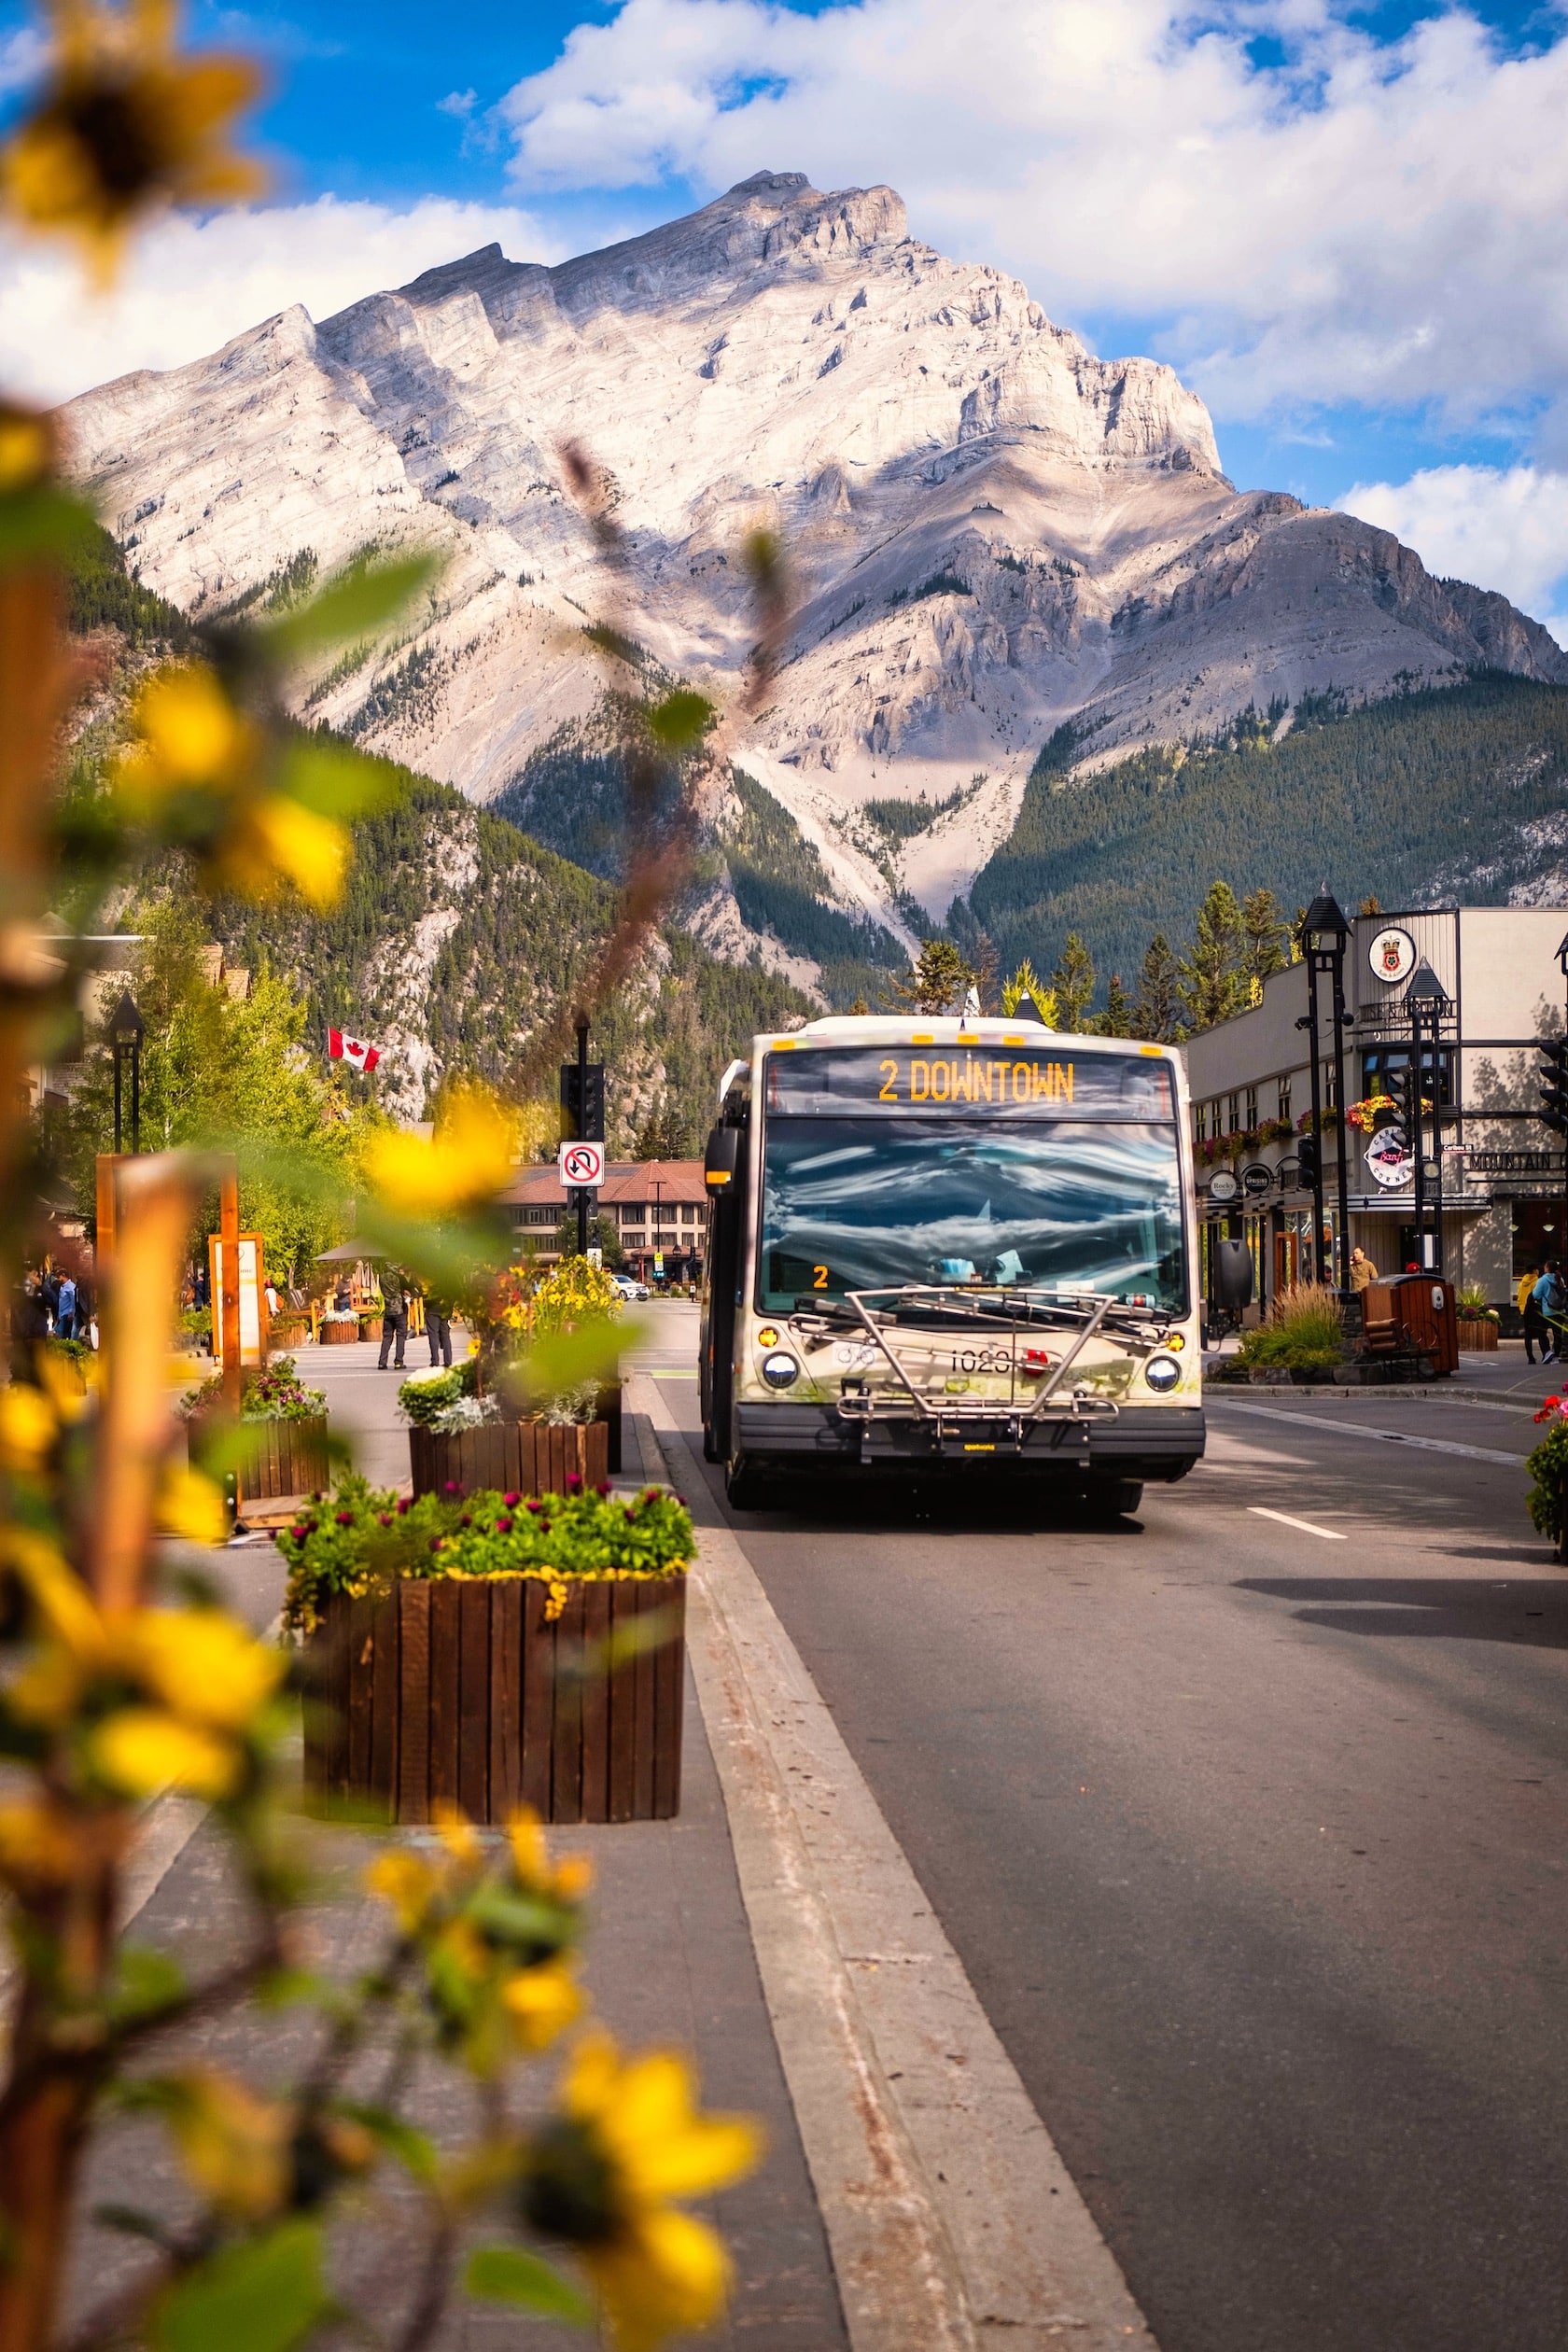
[
  {"x": 281, "y": 1457},
  {"x": 462, "y": 1692},
  {"x": 528, "y": 1457}
]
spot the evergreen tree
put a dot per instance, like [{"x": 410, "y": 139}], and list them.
[
  {"x": 1156, "y": 1008},
  {"x": 937, "y": 981},
  {"x": 1072, "y": 983},
  {"x": 1120, "y": 1015},
  {"x": 1212, "y": 983},
  {"x": 1026, "y": 981},
  {"x": 1267, "y": 933}
]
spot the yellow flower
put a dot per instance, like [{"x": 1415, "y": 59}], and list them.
[
  {"x": 28, "y": 1426},
  {"x": 409, "y": 1885},
  {"x": 126, "y": 127},
  {"x": 192, "y": 1505},
  {"x": 469, "y": 1159},
  {"x": 541, "y": 2003},
  {"x": 574, "y": 1877},
  {"x": 627, "y": 2140},
  {"x": 530, "y": 1855},
  {"x": 457, "y": 1833},
  {"x": 188, "y": 736},
  {"x": 286, "y": 838},
  {"x": 140, "y": 1751},
  {"x": 234, "y": 2145},
  {"x": 39, "y": 1843},
  {"x": 202, "y": 1664},
  {"x": 26, "y": 449}
]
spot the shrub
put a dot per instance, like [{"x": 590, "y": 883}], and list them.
[
  {"x": 1548, "y": 1466},
  {"x": 430, "y": 1399},
  {"x": 1303, "y": 1332},
  {"x": 275, "y": 1392},
  {"x": 1472, "y": 1304},
  {"x": 366, "y": 1540}
]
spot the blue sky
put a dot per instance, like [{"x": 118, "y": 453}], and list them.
[{"x": 1343, "y": 227}]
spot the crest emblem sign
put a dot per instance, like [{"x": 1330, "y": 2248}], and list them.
[{"x": 1392, "y": 955}]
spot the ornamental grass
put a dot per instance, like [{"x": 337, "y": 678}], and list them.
[{"x": 1303, "y": 1334}]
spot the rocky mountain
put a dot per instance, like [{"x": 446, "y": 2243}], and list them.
[{"x": 992, "y": 533}]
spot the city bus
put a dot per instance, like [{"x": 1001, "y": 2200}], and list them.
[{"x": 949, "y": 1248}]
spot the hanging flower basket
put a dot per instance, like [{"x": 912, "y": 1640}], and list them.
[{"x": 443, "y": 1679}]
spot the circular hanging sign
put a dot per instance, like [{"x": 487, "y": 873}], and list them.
[
  {"x": 1389, "y": 1162},
  {"x": 1392, "y": 955},
  {"x": 1222, "y": 1185},
  {"x": 1256, "y": 1178}
]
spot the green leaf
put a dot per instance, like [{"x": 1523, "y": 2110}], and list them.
[
  {"x": 413, "y": 2149},
  {"x": 334, "y": 779},
  {"x": 43, "y": 521},
  {"x": 358, "y": 602},
  {"x": 509, "y": 2274},
  {"x": 679, "y": 722},
  {"x": 146, "y": 1984},
  {"x": 264, "y": 2295}
]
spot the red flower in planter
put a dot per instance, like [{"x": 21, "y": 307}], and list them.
[
  {"x": 511, "y": 1501},
  {"x": 385, "y": 1518},
  {"x": 451, "y": 1486},
  {"x": 299, "y": 1533},
  {"x": 603, "y": 1488},
  {"x": 405, "y": 1503},
  {"x": 535, "y": 1506},
  {"x": 345, "y": 1518},
  {"x": 467, "y": 1520},
  {"x": 503, "y": 1525},
  {"x": 574, "y": 1483},
  {"x": 1552, "y": 1406},
  {"x": 435, "y": 1543}
]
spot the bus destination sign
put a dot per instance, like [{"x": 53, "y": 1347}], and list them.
[{"x": 1009, "y": 1085}]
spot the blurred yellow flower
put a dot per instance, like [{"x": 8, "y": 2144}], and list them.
[
  {"x": 204, "y": 1665},
  {"x": 457, "y": 1833},
  {"x": 467, "y": 1160},
  {"x": 39, "y": 1843},
  {"x": 188, "y": 735},
  {"x": 26, "y": 449},
  {"x": 627, "y": 2140},
  {"x": 405, "y": 1882},
  {"x": 541, "y": 2003},
  {"x": 140, "y": 1751},
  {"x": 28, "y": 1426},
  {"x": 289, "y": 840},
  {"x": 190, "y": 1504},
  {"x": 127, "y": 127},
  {"x": 234, "y": 2146}
]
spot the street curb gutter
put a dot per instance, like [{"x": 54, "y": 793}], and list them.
[{"x": 948, "y": 2211}]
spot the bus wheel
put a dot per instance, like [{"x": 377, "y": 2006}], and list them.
[
  {"x": 744, "y": 1484},
  {"x": 1114, "y": 1498}
]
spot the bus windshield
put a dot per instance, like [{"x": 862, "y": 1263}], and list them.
[{"x": 1040, "y": 1198}]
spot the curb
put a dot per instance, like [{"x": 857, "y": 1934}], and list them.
[{"x": 949, "y": 2213}]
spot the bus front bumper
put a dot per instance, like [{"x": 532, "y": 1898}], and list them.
[{"x": 1151, "y": 1443}]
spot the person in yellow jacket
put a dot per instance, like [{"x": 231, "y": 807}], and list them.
[
  {"x": 1362, "y": 1270},
  {"x": 1535, "y": 1325}
]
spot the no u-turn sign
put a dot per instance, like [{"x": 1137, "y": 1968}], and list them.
[{"x": 582, "y": 1164}]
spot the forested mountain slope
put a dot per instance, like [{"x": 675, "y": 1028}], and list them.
[{"x": 1459, "y": 793}]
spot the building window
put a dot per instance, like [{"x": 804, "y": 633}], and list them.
[
  {"x": 1284, "y": 1098},
  {"x": 688, "y": 1212},
  {"x": 534, "y": 1216},
  {"x": 1200, "y": 1123},
  {"x": 1233, "y": 1115},
  {"x": 1251, "y": 1108},
  {"x": 1383, "y": 1064}
]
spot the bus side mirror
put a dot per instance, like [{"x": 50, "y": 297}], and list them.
[{"x": 721, "y": 1161}]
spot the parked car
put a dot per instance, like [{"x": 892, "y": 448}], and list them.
[{"x": 628, "y": 1287}]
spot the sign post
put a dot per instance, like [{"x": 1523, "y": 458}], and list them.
[{"x": 581, "y": 1121}]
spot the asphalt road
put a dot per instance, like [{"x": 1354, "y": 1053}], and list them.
[{"x": 1253, "y": 1839}]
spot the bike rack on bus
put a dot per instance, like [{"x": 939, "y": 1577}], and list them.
[{"x": 1078, "y": 1407}]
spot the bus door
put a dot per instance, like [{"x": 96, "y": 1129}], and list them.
[{"x": 724, "y": 1171}]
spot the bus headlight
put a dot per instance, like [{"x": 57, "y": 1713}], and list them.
[
  {"x": 779, "y": 1370},
  {"x": 1162, "y": 1373}
]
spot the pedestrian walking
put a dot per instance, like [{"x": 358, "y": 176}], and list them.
[
  {"x": 438, "y": 1328},
  {"x": 394, "y": 1316},
  {"x": 65, "y": 1310},
  {"x": 1552, "y": 1300},
  {"x": 1535, "y": 1331},
  {"x": 1362, "y": 1270}
]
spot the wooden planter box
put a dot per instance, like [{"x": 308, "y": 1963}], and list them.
[
  {"x": 282, "y": 1457},
  {"x": 462, "y": 1692},
  {"x": 1482, "y": 1333},
  {"x": 337, "y": 1335},
  {"x": 513, "y": 1457},
  {"x": 287, "y": 1332}
]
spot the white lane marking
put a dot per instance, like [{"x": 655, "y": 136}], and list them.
[
  {"x": 950, "y": 2215},
  {"x": 1383, "y": 1436},
  {"x": 1330, "y": 1535}
]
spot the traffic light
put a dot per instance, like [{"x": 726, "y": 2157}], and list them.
[
  {"x": 582, "y": 1124},
  {"x": 1402, "y": 1085},
  {"x": 1554, "y": 1085},
  {"x": 1309, "y": 1162}
]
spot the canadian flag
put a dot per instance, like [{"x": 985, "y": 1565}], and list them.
[{"x": 352, "y": 1049}]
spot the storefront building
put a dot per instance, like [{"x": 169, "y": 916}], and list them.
[
  {"x": 658, "y": 1208},
  {"x": 1495, "y": 1181}
]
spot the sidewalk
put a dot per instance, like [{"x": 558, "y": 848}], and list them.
[{"x": 669, "y": 1960}]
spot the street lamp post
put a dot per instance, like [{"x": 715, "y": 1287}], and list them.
[
  {"x": 1562, "y": 967},
  {"x": 1427, "y": 1001},
  {"x": 1326, "y": 932},
  {"x": 127, "y": 1030}
]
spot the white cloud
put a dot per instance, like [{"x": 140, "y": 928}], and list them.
[
  {"x": 1504, "y": 529},
  {"x": 1363, "y": 223},
  {"x": 22, "y": 53},
  {"x": 193, "y": 284}
]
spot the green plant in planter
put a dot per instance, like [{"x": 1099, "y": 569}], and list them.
[
  {"x": 275, "y": 1392},
  {"x": 1547, "y": 1466},
  {"x": 1303, "y": 1333},
  {"x": 366, "y": 1539},
  {"x": 446, "y": 1400},
  {"x": 1471, "y": 1303}
]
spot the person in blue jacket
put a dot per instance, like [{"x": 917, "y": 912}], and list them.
[{"x": 1552, "y": 1299}]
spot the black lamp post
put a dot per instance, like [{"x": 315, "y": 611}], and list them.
[
  {"x": 1562, "y": 967},
  {"x": 127, "y": 1030},
  {"x": 1427, "y": 1002},
  {"x": 1324, "y": 934}
]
